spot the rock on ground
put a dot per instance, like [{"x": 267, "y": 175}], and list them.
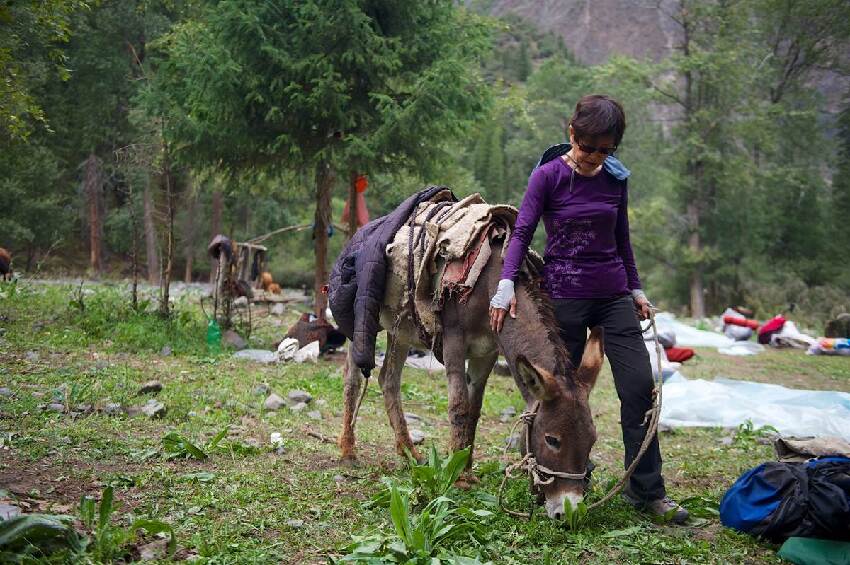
[
  {"x": 150, "y": 386},
  {"x": 417, "y": 436},
  {"x": 298, "y": 406},
  {"x": 257, "y": 355},
  {"x": 296, "y": 396},
  {"x": 153, "y": 409},
  {"x": 232, "y": 339},
  {"x": 273, "y": 402},
  {"x": 261, "y": 389},
  {"x": 112, "y": 408},
  {"x": 507, "y": 414},
  {"x": 314, "y": 415},
  {"x": 278, "y": 309}
]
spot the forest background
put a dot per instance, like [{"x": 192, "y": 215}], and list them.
[{"x": 132, "y": 131}]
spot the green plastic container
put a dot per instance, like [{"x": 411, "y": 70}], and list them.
[{"x": 213, "y": 336}]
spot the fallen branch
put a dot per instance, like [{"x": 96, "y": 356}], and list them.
[{"x": 320, "y": 437}]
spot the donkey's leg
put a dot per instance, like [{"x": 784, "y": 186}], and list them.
[
  {"x": 477, "y": 374},
  {"x": 454, "y": 358},
  {"x": 351, "y": 393},
  {"x": 390, "y": 381}
]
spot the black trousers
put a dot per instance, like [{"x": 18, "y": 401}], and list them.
[{"x": 632, "y": 371}]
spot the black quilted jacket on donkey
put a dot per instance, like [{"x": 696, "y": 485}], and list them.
[{"x": 358, "y": 279}]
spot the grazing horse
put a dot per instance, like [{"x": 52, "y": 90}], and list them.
[
  {"x": 5, "y": 264},
  {"x": 562, "y": 432}
]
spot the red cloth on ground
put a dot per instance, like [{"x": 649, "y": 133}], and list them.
[
  {"x": 744, "y": 322},
  {"x": 769, "y": 328},
  {"x": 679, "y": 354}
]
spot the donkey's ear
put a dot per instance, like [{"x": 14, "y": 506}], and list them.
[
  {"x": 539, "y": 382},
  {"x": 591, "y": 360}
]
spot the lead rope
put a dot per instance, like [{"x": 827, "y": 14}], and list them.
[{"x": 536, "y": 473}]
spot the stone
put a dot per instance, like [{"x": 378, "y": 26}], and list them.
[
  {"x": 501, "y": 368},
  {"x": 276, "y": 439},
  {"x": 5, "y": 391},
  {"x": 150, "y": 387},
  {"x": 507, "y": 414},
  {"x": 726, "y": 441},
  {"x": 232, "y": 339},
  {"x": 112, "y": 408},
  {"x": 417, "y": 436},
  {"x": 240, "y": 301},
  {"x": 8, "y": 511},
  {"x": 512, "y": 442},
  {"x": 257, "y": 355},
  {"x": 298, "y": 406},
  {"x": 153, "y": 551},
  {"x": 85, "y": 408},
  {"x": 31, "y": 356},
  {"x": 278, "y": 309},
  {"x": 261, "y": 389},
  {"x": 339, "y": 479},
  {"x": 309, "y": 352},
  {"x": 314, "y": 415},
  {"x": 273, "y": 402},
  {"x": 411, "y": 418},
  {"x": 154, "y": 409},
  {"x": 55, "y": 407},
  {"x": 165, "y": 351},
  {"x": 101, "y": 364},
  {"x": 296, "y": 396},
  {"x": 295, "y": 524}
]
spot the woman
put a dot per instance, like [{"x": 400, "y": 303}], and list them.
[{"x": 591, "y": 276}]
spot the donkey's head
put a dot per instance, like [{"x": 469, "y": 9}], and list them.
[{"x": 562, "y": 431}]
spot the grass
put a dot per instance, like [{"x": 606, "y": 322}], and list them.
[{"x": 241, "y": 503}]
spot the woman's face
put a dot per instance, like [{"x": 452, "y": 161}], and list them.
[{"x": 586, "y": 159}]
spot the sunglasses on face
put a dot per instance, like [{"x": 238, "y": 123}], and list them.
[{"x": 591, "y": 149}]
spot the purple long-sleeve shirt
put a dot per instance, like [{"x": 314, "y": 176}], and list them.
[{"x": 588, "y": 252}]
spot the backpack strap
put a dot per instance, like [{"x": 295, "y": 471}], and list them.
[{"x": 611, "y": 164}]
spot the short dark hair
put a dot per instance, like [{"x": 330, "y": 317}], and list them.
[{"x": 597, "y": 115}]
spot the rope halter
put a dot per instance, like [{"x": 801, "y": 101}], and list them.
[{"x": 538, "y": 475}]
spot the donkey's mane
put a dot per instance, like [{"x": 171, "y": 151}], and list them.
[{"x": 546, "y": 311}]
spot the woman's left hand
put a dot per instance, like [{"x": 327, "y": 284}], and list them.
[{"x": 642, "y": 306}]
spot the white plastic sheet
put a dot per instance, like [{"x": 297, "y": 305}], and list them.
[
  {"x": 729, "y": 403},
  {"x": 688, "y": 336},
  {"x": 742, "y": 348}
]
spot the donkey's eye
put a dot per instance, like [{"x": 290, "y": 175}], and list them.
[{"x": 553, "y": 441}]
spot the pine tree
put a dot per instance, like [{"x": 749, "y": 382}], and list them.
[{"x": 318, "y": 85}]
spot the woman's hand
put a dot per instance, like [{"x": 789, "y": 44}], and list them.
[
  {"x": 503, "y": 302},
  {"x": 642, "y": 305}
]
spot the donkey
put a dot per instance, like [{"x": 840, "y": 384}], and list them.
[{"x": 562, "y": 433}]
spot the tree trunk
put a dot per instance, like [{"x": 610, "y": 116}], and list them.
[
  {"x": 189, "y": 235},
  {"x": 695, "y": 248},
  {"x": 134, "y": 234},
  {"x": 217, "y": 206},
  {"x": 150, "y": 235},
  {"x": 165, "y": 280},
  {"x": 93, "y": 196},
  {"x": 324, "y": 181}
]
